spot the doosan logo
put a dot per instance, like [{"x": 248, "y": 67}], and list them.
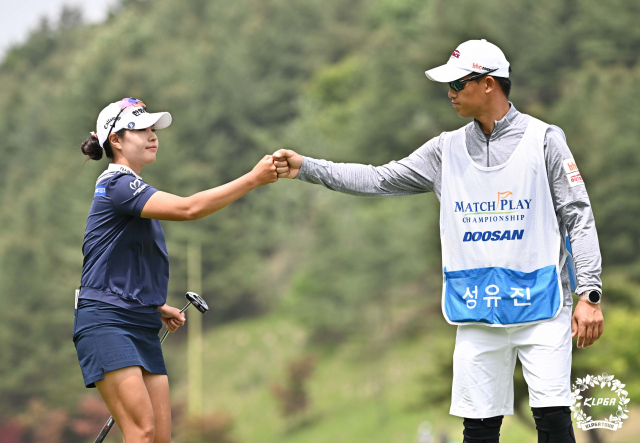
[{"x": 493, "y": 235}]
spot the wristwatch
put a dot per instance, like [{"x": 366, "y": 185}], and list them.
[{"x": 592, "y": 297}]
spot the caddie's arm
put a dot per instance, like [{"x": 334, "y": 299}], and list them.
[
  {"x": 414, "y": 174},
  {"x": 574, "y": 208}
]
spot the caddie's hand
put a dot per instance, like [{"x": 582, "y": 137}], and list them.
[
  {"x": 172, "y": 317},
  {"x": 287, "y": 162},
  {"x": 264, "y": 172},
  {"x": 587, "y": 322}
]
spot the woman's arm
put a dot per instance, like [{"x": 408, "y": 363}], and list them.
[{"x": 165, "y": 206}]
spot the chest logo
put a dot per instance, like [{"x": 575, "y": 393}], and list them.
[{"x": 505, "y": 208}]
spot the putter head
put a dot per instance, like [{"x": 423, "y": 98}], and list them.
[{"x": 197, "y": 301}]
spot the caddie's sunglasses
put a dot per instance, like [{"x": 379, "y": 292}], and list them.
[
  {"x": 458, "y": 85},
  {"x": 124, "y": 104}
]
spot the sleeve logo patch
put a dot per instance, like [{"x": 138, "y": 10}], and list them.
[
  {"x": 575, "y": 179},
  {"x": 573, "y": 175},
  {"x": 137, "y": 185},
  {"x": 100, "y": 191},
  {"x": 569, "y": 166}
]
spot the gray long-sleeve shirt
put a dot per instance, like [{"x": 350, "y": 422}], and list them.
[{"x": 421, "y": 172}]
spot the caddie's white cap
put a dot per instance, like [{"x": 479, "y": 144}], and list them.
[
  {"x": 130, "y": 113},
  {"x": 471, "y": 56}
]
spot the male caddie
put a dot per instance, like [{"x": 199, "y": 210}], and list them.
[{"x": 510, "y": 192}]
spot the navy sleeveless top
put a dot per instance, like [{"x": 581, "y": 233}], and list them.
[{"x": 125, "y": 256}]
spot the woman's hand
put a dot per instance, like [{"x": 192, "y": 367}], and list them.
[
  {"x": 172, "y": 317},
  {"x": 264, "y": 172}
]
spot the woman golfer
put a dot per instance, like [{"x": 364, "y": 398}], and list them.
[{"x": 121, "y": 304}]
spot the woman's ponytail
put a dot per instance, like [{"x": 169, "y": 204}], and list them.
[{"x": 91, "y": 147}]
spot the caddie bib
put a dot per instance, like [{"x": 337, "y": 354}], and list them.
[{"x": 500, "y": 236}]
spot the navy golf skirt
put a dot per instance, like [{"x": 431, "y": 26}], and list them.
[{"x": 108, "y": 337}]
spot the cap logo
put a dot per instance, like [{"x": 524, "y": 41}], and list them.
[
  {"x": 139, "y": 111},
  {"x": 455, "y": 54},
  {"x": 482, "y": 68},
  {"x": 131, "y": 125},
  {"x": 109, "y": 120}
]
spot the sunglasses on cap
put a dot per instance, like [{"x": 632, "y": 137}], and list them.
[
  {"x": 458, "y": 85},
  {"x": 124, "y": 104}
]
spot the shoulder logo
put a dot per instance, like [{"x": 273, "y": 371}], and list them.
[
  {"x": 101, "y": 190},
  {"x": 137, "y": 185}
]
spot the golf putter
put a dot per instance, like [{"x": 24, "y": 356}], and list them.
[{"x": 192, "y": 299}]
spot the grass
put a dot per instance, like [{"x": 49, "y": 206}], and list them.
[{"x": 358, "y": 393}]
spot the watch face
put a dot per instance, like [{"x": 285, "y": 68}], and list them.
[{"x": 594, "y": 297}]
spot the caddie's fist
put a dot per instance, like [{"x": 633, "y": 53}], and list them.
[{"x": 287, "y": 163}]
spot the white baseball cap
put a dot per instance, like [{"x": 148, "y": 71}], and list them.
[
  {"x": 471, "y": 56},
  {"x": 128, "y": 113}
]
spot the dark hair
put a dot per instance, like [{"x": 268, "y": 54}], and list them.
[
  {"x": 91, "y": 147},
  {"x": 505, "y": 85},
  {"x": 504, "y": 82}
]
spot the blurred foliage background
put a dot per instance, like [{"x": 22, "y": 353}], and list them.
[{"x": 325, "y": 322}]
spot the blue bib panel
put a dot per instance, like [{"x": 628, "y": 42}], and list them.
[{"x": 501, "y": 296}]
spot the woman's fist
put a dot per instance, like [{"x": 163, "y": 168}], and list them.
[{"x": 264, "y": 172}]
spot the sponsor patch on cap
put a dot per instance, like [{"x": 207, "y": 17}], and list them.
[{"x": 131, "y": 125}]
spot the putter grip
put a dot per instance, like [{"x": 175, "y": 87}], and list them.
[{"x": 105, "y": 430}]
